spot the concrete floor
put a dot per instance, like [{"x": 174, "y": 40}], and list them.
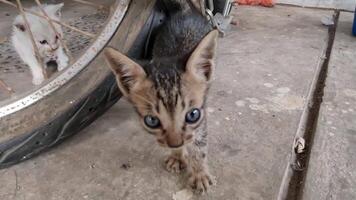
[
  {"x": 339, "y": 4},
  {"x": 264, "y": 68},
  {"x": 331, "y": 173}
]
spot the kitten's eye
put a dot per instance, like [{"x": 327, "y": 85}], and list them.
[
  {"x": 57, "y": 37},
  {"x": 43, "y": 42},
  {"x": 192, "y": 116},
  {"x": 151, "y": 121}
]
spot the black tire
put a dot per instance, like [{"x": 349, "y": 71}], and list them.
[
  {"x": 219, "y": 6},
  {"x": 38, "y": 127}
]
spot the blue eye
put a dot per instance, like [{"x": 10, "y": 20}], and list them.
[
  {"x": 192, "y": 116},
  {"x": 151, "y": 121}
]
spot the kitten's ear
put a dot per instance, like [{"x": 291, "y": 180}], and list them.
[
  {"x": 201, "y": 62},
  {"x": 56, "y": 9},
  {"x": 20, "y": 26},
  {"x": 128, "y": 73}
]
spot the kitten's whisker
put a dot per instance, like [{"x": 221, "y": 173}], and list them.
[
  {"x": 62, "y": 23},
  {"x": 143, "y": 107},
  {"x": 8, "y": 3},
  {"x": 141, "y": 98},
  {"x": 6, "y": 87},
  {"x": 90, "y": 3}
]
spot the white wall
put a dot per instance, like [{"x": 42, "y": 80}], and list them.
[{"x": 340, "y": 4}]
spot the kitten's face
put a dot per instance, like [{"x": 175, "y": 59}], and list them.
[
  {"x": 48, "y": 44},
  {"x": 168, "y": 98},
  {"x": 47, "y": 40},
  {"x": 170, "y": 104}
]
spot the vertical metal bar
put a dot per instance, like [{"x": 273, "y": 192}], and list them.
[
  {"x": 227, "y": 8},
  {"x": 202, "y": 7},
  {"x": 211, "y": 5},
  {"x": 354, "y": 24},
  {"x": 38, "y": 57}
]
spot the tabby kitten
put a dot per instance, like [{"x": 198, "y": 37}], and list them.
[{"x": 169, "y": 91}]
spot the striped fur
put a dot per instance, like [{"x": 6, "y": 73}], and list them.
[{"x": 171, "y": 84}]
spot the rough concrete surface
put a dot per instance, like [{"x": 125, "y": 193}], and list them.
[
  {"x": 264, "y": 68},
  {"x": 338, "y": 4},
  {"x": 332, "y": 167}
]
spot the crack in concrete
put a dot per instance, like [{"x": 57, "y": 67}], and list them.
[
  {"x": 16, "y": 184},
  {"x": 293, "y": 180}
]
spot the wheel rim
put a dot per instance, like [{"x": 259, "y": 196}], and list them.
[{"x": 7, "y": 108}]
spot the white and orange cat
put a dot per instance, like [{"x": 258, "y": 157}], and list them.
[{"x": 46, "y": 39}]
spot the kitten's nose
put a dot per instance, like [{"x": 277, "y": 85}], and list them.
[
  {"x": 55, "y": 47},
  {"x": 174, "y": 140},
  {"x": 175, "y": 145}
]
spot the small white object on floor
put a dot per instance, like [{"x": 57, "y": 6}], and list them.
[
  {"x": 327, "y": 20},
  {"x": 183, "y": 195}
]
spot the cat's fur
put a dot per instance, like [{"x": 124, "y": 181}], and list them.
[
  {"x": 48, "y": 43},
  {"x": 170, "y": 85}
]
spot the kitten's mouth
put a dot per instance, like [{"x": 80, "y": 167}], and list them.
[
  {"x": 52, "y": 63},
  {"x": 52, "y": 66},
  {"x": 188, "y": 139}
]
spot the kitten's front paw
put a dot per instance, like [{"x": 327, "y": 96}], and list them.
[
  {"x": 37, "y": 81},
  {"x": 200, "y": 181},
  {"x": 62, "y": 65},
  {"x": 63, "y": 62},
  {"x": 174, "y": 164}
]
